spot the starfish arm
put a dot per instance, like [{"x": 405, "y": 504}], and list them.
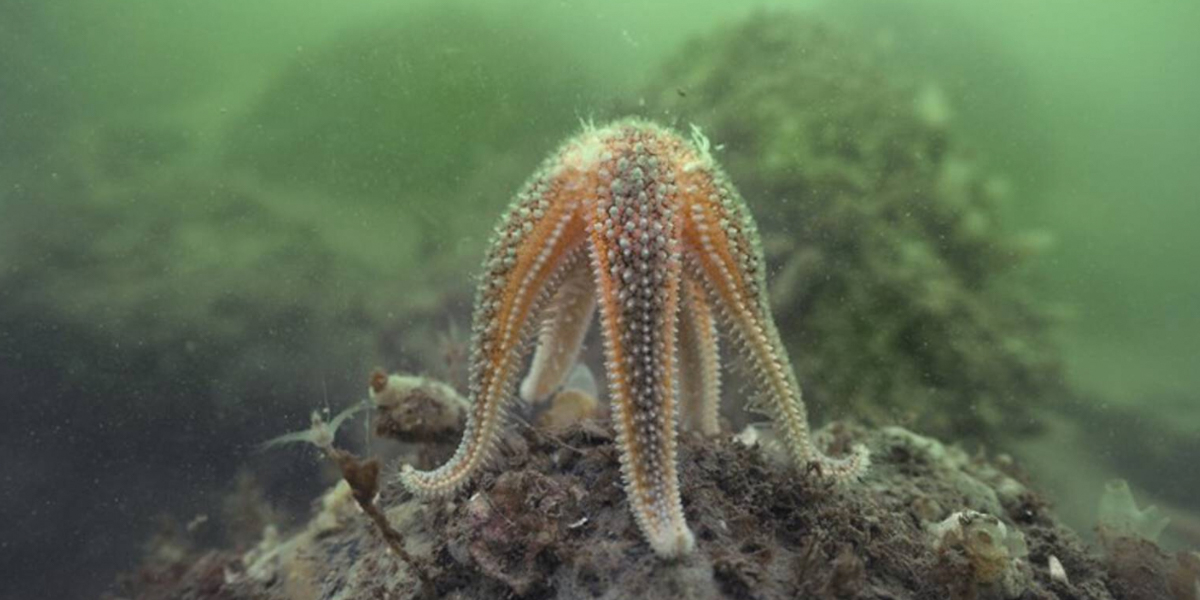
[
  {"x": 699, "y": 366},
  {"x": 635, "y": 222},
  {"x": 635, "y": 258},
  {"x": 561, "y": 337},
  {"x": 725, "y": 253},
  {"x": 533, "y": 249}
]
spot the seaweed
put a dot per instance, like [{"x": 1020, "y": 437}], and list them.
[{"x": 893, "y": 279}]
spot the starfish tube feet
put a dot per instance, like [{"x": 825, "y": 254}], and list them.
[
  {"x": 637, "y": 265},
  {"x": 532, "y": 250},
  {"x": 561, "y": 336},
  {"x": 699, "y": 363}
]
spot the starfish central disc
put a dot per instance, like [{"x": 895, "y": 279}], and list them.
[{"x": 640, "y": 225}]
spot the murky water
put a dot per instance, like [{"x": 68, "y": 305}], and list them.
[{"x": 216, "y": 216}]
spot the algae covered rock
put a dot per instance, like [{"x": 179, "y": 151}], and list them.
[
  {"x": 892, "y": 276},
  {"x": 550, "y": 521}
]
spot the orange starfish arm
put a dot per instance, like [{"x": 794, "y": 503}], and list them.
[
  {"x": 699, "y": 361},
  {"x": 725, "y": 254},
  {"x": 561, "y": 336},
  {"x": 635, "y": 255},
  {"x": 534, "y": 248}
]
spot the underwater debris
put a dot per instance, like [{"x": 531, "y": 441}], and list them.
[
  {"x": 1057, "y": 571},
  {"x": 634, "y": 222},
  {"x": 763, "y": 436},
  {"x": 575, "y": 402}
]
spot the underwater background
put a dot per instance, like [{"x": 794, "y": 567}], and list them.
[{"x": 217, "y": 216}]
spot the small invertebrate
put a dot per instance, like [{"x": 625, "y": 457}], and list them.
[{"x": 634, "y": 222}]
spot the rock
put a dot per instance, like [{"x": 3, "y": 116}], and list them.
[
  {"x": 892, "y": 277},
  {"x": 550, "y": 521},
  {"x": 991, "y": 560}
]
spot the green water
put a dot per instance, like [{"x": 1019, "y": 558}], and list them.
[{"x": 215, "y": 216}]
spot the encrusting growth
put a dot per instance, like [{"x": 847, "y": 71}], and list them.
[{"x": 635, "y": 221}]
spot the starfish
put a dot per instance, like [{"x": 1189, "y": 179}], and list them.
[{"x": 641, "y": 225}]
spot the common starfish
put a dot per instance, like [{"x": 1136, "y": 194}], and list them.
[{"x": 638, "y": 222}]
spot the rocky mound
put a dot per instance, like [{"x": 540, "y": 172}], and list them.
[{"x": 550, "y": 521}]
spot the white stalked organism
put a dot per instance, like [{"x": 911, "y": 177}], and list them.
[
  {"x": 320, "y": 433},
  {"x": 1119, "y": 516}
]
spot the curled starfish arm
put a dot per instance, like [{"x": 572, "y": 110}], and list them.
[
  {"x": 727, "y": 257},
  {"x": 561, "y": 337},
  {"x": 699, "y": 367},
  {"x": 534, "y": 248}
]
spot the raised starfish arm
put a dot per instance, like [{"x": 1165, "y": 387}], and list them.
[
  {"x": 699, "y": 366},
  {"x": 537, "y": 244},
  {"x": 725, "y": 255},
  {"x": 561, "y": 336}
]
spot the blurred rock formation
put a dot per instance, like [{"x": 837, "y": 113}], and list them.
[{"x": 892, "y": 277}]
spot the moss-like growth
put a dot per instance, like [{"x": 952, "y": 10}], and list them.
[{"x": 892, "y": 276}]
